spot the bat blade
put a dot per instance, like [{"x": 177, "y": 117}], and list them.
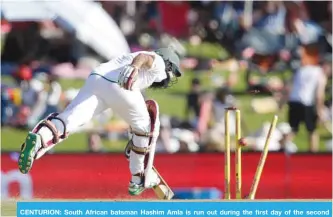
[{"x": 162, "y": 191}]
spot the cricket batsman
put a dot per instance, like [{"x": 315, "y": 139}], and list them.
[{"x": 116, "y": 84}]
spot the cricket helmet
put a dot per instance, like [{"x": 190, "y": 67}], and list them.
[{"x": 169, "y": 55}]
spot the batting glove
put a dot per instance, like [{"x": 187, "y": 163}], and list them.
[{"x": 127, "y": 77}]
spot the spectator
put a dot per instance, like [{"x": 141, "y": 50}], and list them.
[
  {"x": 272, "y": 17},
  {"x": 306, "y": 97},
  {"x": 193, "y": 100},
  {"x": 327, "y": 68}
]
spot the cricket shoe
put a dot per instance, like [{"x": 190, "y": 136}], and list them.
[
  {"x": 32, "y": 144},
  {"x": 136, "y": 189}
]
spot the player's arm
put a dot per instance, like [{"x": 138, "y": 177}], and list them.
[
  {"x": 129, "y": 74},
  {"x": 143, "y": 61}
]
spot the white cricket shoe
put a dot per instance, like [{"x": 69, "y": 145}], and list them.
[{"x": 136, "y": 185}]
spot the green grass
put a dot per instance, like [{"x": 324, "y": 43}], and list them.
[
  {"x": 206, "y": 50},
  {"x": 172, "y": 102}
]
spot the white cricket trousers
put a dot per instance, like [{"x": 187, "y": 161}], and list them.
[{"x": 97, "y": 95}]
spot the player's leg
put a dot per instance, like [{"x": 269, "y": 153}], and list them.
[
  {"x": 131, "y": 106},
  {"x": 311, "y": 119},
  {"x": 295, "y": 116},
  {"x": 56, "y": 127},
  {"x": 141, "y": 153}
]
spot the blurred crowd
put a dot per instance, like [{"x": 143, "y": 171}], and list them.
[{"x": 265, "y": 40}]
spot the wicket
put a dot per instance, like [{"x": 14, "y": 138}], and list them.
[{"x": 238, "y": 157}]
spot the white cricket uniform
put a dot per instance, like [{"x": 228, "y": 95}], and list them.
[{"x": 101, "y": 91}]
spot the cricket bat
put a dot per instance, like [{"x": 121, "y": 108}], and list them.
[{"x": 162, "y": 191}]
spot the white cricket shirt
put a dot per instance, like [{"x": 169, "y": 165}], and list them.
[
  {"x": 111, "y": 70},
  {"x": 305, "y": 83}
]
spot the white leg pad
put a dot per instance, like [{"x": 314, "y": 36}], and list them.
[{"x": 149, "y": 152}]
